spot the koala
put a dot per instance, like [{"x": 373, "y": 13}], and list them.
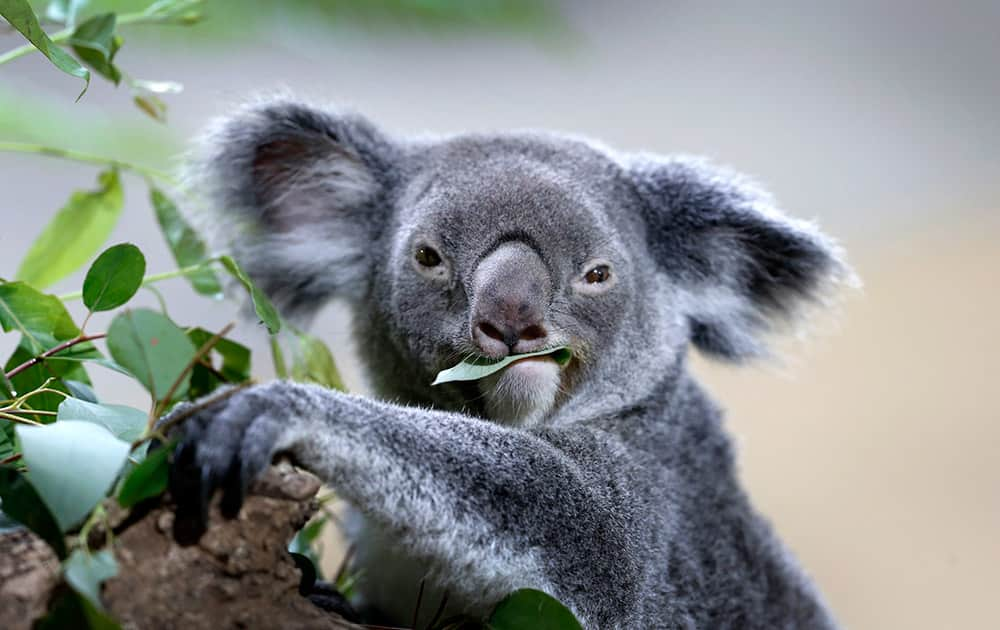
[{"x": 608, "y": 482}]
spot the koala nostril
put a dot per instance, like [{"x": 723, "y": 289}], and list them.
[
  {"x": 490, "y": 330},
  {"x": 534, "y": 332}
]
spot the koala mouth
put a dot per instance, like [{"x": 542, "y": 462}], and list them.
[{"x": 475, "y": 368}]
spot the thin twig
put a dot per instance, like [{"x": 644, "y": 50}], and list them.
[
  {"x": 48, "y": 353},
  {"x": 202, "y": 351},
  {"x": 86, "y": 158},
  {"x": 20, "y": 420}
]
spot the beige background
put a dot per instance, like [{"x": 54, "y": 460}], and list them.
[{"x": 874, "y": 446}]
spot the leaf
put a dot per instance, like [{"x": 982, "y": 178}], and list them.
[
  {"x": 86, "y": 571},
  {"x": 36, "y": 375},
  {"x": 158, "y": 87},
  {"x": 64, "y": 11},
  {"x": 72, "y": 465},
  {"x": 261, "y": 304},
  {"x": 96, "y": 44},
  {"x": 125, "y": 423},
  {"x": 152, "y": 105},
  {"x": 152, "y": 348},
  {"x": 148, "y": 479},
  {"x": 70, "y": 609},
  {"x": 22, "y": 17},
  {"x": 312, "y": 362},
  {"x": 80, "y": 390},
  {"x": 42, "y": 319},
  {"x": 114, "y": 277},
  {"x": 75, "y": 234},
  {"x": 475, "y": 369},
  {"x": 235, "y": 356},
  {"x": 188, "y": 249},
  {"x": 22, "y": 503},
  {"x": 529, "y": 608}
]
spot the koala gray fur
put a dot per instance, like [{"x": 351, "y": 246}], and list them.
[{"x": 609, "y": 484}]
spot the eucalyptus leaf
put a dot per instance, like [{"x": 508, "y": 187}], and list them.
[
  {"x": 96, "y": 44},
  {"x": 530, "y": 608},
  {"x": 70, "y": 609},
  {"x": 72, "y": 465},
  {"x": 148, "y": 479},
  {"x": 125, "y": 423},
  {"x": 33, "y": 378},
  {"x": 75, "y": 234},
  {"x": 42, "y": 320},
  {"x": 475, "y": 369},
  {"x": 114, "y": 277},
  {"x": 261, "y": 304},
  {"x": 64, "y": 11},
  {"x": 85, "y": 572},
  {"x": 235, "y": 356},
  {"x": 80, "y": 390},
  {"x": 22, "y": 503},
  {"x": 153, "y": 348},
  {"x": 185, "y": 244},
  {"x": 312, "y": 362},
  {"x": 21, "y": 16}
]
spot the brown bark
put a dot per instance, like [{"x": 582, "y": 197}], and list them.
[{"x": 238, "y": 576}]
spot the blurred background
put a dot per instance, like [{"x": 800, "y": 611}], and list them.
[{"x": 874, "y": 445}]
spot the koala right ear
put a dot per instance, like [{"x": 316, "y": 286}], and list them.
[{"x": 296, "y": 194}]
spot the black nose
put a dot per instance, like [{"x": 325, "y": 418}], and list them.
[{"x": 499, "y": 335}]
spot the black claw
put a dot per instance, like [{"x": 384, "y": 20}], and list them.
[
  {"x": 233, "y": 490},
  {"x": 186, "y": 488}
]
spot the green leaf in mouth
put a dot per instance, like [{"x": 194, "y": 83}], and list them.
[{"x": 477, "y": 368}]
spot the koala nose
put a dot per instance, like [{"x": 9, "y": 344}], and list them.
[
  {"x": 500, "y": 336},
  {"x": 510, "y": 288}
]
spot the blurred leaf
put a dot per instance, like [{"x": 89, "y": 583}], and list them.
[
  {"x": 188, "y": 249},
  {"x": 158, "y": 87},
  {"x": 475, "y": 368},
  {"x": 529, "y": 608},
  {"x": 125, "y": 423},
  {"x": 114, "y": 277},
  {"x": 64, "y": 11},
  {"x": 152, "y": 105},
  {"x": 312, "y": 362},
  {"x": 72, "y": 465},
  {"x": 85, "y": 572},
  {"x": 261, "y": 304},
  {"x": 22, "y": 503},
  {"x": 42, "y": 319},
  {"x": 148, "y": 479},
  {"x": 80, "y": 390},
  {"x": 72, "y": 610},
  {"x": 305, "y": 542},
  {"x": 96, "y": 44},
  {"x": 75, "y": 234},
  {"x": 235, "y": 356},
  {"x": 33, "y": 377},
  {"x": 6, "y": 443},
  {"x": 22, "y": 17},
  {"x": 153, "y": 348}
]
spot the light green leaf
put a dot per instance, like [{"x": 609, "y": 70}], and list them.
[
  {"x": 148, "y": 479},
  {"x": 114, "y": 277},
  {"x": 79, "y": 389},
  {"x": 235, "y": 356},
  {"x": 530, "y": 608},
  {"x": 188, "y": 249},
  {"x": 41, "y": 319},
  {"x": 152, "y": 105},
  {"x": 475, "y": 369},
  {"x": 64, "y": 11},
  {"x": 312, "y": 362},
  {"x": 86, "y": 571},
  {"x": 261, "y": 304},
  {"x": 152, "y": 348},
  {"x": 125, "y": 423},
  {"x": 75, "y": 234},
  {"x": 72, "y": 465},
  {"x": 22, "y": 17},
  {"x": 96, "y": 44}
]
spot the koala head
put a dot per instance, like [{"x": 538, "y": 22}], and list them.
[{"x": 490, "y": 245}]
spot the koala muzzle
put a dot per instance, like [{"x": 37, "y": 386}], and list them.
[{"x": 511, "y": 289}]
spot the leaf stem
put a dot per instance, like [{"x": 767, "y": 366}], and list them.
[
  {"x": 48, "y": 353},
  {"x": 19, "y": 420},
  {"x": 10, "y": 460},
  {"x": 86, "y": 158},
  {"x": 156, "y": 277}
]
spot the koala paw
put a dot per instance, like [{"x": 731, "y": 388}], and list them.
[{"x": 225, "y": 442}]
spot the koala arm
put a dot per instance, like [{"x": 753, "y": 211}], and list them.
[{"x": 498, "y": 508}]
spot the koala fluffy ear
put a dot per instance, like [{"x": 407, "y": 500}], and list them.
[
  {"x": 296, "y": 194},
  {"x": 740, "y": 265}
]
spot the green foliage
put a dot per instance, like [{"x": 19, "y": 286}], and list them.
[
  {"x": 96, "y": 44},
  {"x": 261, "y": 304},
  {"x": 155, "y": 350},
  {"x": 22, "y": 503},
  {"x": 312, "y": 362},
  {"x": 86, "y": 571},
  {"x": 147, "y": 480},
  {"x": 185, "y": 244},
  {"x": 125, "y": 423},
  {"x": 114, "y": 277},
  {"x": 529, "y": 608},
  {"x": 75, "y": 234},
  {"x": 21, "y": 17},
  {"x": 72, "y": 465},
  {"x": 473, "y": 369}
]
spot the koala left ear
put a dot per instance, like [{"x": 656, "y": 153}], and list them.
[{"x": 740, "y": 265}]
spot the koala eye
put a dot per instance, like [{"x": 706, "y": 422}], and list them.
[
  {"x": 427, "y": 256},
  {"x": 597, "y": 275}
]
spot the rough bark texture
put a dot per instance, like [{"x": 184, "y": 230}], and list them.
[{"x": 238, "y": 576}]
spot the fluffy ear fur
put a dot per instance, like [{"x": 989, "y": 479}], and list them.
[
  {"x": 741, "y": 266},
  {"x": 296, "y": 194}
]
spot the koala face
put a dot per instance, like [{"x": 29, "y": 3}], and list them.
[{"x": 490, "y": 245}]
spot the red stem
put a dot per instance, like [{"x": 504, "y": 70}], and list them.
[{"x": 48, "y": 353}]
